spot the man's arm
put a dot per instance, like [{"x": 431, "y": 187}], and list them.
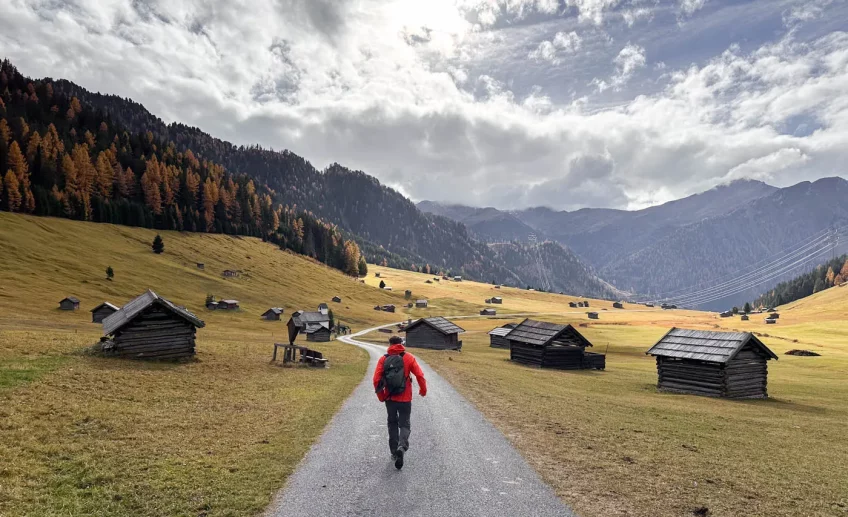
[
  {"x": 378, "y": 372},
  {"x": 416, "y": 370}
]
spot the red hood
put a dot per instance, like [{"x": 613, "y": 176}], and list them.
[{"x": 396, "y": 349}]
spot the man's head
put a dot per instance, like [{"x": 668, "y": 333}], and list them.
[{"x": 395, "y": 340}]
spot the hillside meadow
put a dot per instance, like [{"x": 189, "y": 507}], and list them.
[
  {"x": 82, "y": 435},
  {"x": 611, "y": 445}
]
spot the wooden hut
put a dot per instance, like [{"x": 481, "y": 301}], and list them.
[
  {"x": 436, "y": 333},
  {"x": 273, "y": 314},
  {"x": 377, "y": 274},
  {"x": 497, "y": 336},
  {"x": 422, "y": 304},
  {"x": 497, "y": 286},
  {"x": 388, "y": 308},
  {"x": 592, "y": 315},
  {"x": 407, "y": 294},
  {"x": 497, "y": 299},
  {"x": 201, "y": 265},
  {"x": 228, "y": 305},
  {"x": 150, "y": 327},
  {"x": 770, "y": 321},
  {"x": 617, "y": 305},
  {"x": 649, "y": 304},
  {"x": 323, "y": 308},
  {"x": 726, "y": 314},
  {"x": 102, "y": 311},
  {"x": 229, "y": 273},
  {"x": 71, "y": 303},
  {"x": 712, "y": 363},
  {"x": 585, "y": 303},
  {"x": 337, "y": 299},
  {"x": 580, "y": 304},
  {"x": 211, "y": 305},
  {"x": 488, "y": 312},
  {"x": 315, "y": 324},
  {"x": 774, "y": 316},
  {"x": 457, "y": 279},
  {"x": 573, "y": 305},
  {"x": 745, "y": 317},
  {"x": 549, "y": 345}
]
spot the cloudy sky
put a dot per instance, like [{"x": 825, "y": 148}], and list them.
[{"x": 564, "y": 103}]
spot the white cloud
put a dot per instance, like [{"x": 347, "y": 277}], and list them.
[
  {"x": 416, "y": 94},
  {"x": 689, "y": 7},
  {"x": 629, "y": 60},
  {"x": 551, "y": 51}
]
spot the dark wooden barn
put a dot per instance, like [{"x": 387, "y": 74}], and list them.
[
  {"x": 497, "y": 336},
  {"x": 592, "y": 315},
  {"x": 273, "y": 314},
  {"x": 497, "y": 299},
  {"x": 150, "y": 327},
  {"x": 774, "y": 316},
  {"x": 388, "y": 308},
  {"x": 337, "y": 299},
  {"x": 585, "y": 303},
  {"x": 573, "y": 305},
  {"x": 229, "y": 273},
  {"x": 71, "y": 303},
  {"x": 436, "y": 333},
  {"x": 201, "y": 265},
  {"x": 771, "y": 321},
  {"x": 102, "y": 311},
  {"x": 488, "y": 312},
  {"x": 716, "y": 364},
  {"x": 549, "y": 345},
  {"x": 726, "y": 314},
  {"x": 421, "y": 304},
  {"x": 745, "y": 317},
  {"x": 316, "y": 326},
  {"x": 617, "y": 305},
  {"x": 227, "y": 305}
]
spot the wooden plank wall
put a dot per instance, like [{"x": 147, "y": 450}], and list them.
[{"x": 156, "y": 334}]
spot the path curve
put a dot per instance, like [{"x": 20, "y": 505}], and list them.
[{"x": 458, "y": 463}]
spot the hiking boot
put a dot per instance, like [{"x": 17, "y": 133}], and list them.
[{"x": 398, "y": 458}]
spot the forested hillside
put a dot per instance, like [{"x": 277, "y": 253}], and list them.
[
  {"x": 831, "y": 274},
  {"x": 64, "y": 158}
]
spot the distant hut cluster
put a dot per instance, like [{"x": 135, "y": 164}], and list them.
[
  {"x": 550, "y": 345},
  {"x": 497, "y": 336},
  {"x": 712, "y": 363},
  {"x": 150, "y": 327},
  {"x": 102, "y": 311},
  {"x": 435, "y": 333},
  {"x": 315, "y": 324}
]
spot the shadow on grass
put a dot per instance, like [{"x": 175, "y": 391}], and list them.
[{"x": 767, "y": 403}]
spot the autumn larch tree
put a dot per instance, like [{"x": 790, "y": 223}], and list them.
[{"x": 363, "y": 267}]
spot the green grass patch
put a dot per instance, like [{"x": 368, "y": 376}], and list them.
[{"x": 22, "y": 370}]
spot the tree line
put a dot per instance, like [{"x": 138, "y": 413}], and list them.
[
  {"x": 62, "y": 158},
  {"x": 833, "y": 273}
]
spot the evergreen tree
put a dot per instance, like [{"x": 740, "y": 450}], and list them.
[
  {"x": 158, "y": 244},
  {"x": 363, "y": 267},
  {"x": 332, "y": 319},
  {"x": 747, "y": 308},
  {"x": 819, "y": 285},
  {"x": 110, "y": 273},
  {"x": 382, "y": 284}
]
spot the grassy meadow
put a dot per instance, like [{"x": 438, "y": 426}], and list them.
[
  {"x": 83, "y": 435},
  {"x": 611, "y": 445}
]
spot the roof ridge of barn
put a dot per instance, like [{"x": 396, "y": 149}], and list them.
[
  {"x": 553, "y": 331},
  {"x": 705, "y": 345},
  {"x": 439, "y": 323},
  {"x": 137, "y": 305}
]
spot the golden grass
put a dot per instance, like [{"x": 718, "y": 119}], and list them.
[
  {"x": 610, "y": 444},
  {"x": 82, "y": 435}
]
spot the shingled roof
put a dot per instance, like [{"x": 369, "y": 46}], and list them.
[
  {"x": 541, "y": 333},
  {"x": 128, "y": 312},
  {"x": 105, "y": 304},
  {"x": 500, "y": 331},
  {"x": 705, "y": 345},
  {"x": 439, "y": 323},
  {"x": 302, "y": 318}
]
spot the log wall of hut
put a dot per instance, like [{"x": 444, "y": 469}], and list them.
[
  {"x": 555, "y": 356},
  {"x": 499, "y": 342},
  {"x": 154, "y": 334},
  {"x": 745, "y": 376},
  {"x": 321, "y": 335},
  {"x": 101, "y": 314},
  {"x": 425, "y": 336}
]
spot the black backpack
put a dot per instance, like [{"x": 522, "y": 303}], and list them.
[{"x": 393, "y": 377}]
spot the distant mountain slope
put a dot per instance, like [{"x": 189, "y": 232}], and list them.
[
  {"x": 553, "y": 268},
  {"x": 489, "y": 224}
]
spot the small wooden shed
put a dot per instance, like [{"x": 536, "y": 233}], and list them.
[
  {"x": 150, "y": 327},
  {"x": 71, "y": 303},
  {"x": 421, "y": 304},
  {"x": 337, "y": 299},
  {"x": 315, "y": 324},
  {"x": 488, "y": 312},
  {"x": 580, "y": 304},
  {"x": 592, "y": 315},
  {"x": 774, "y": 316},
  {"x": 228, "y": 305},
  {"x": 712, "y": 363},
  {"x": 497, "y": 299},
  {"x": 457, "y": 279},
  {"x": 201, "y": 265},
  {"x": 617, "y": 305},
  {"x": 497, "y": 336},
  {"x": 585, "y": 303},
  {"x": 726, "y": 314},
  {"x": 388, "y": 308},
  {"x": 745, "y": 317},
  {"x": 573, "y": 305},
  {"x": 273, "y": 314},
  {"x": 407, "y": 294},
  {"x": 436, "y": 333},
  {"x": 102, "y": 311},
  {"x": 550, "y": 345},
  {"x": 770, "y": 321},
  {"x": 229, "y": 273}
]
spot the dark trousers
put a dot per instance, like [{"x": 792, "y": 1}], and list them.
[{"x": 399, "y": 426}]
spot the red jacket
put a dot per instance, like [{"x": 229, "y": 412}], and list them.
[{"x": 410, "y": 365}]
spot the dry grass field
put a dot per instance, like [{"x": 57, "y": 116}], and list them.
[
  {"x": 82, "y": 435},
  {"x": 610, "y": 444}
]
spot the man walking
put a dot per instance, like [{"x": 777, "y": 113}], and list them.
[{"x": 394, "y": 387}]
